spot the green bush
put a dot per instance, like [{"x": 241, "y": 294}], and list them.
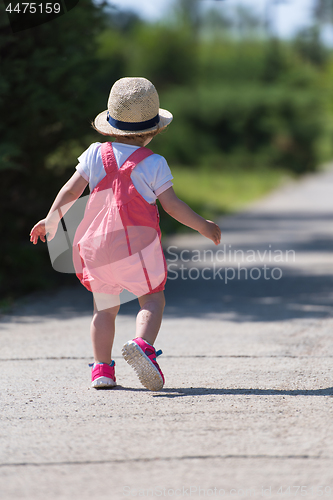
[
  {"x": 46, "y": 97},
  {"x": 244, "y": 125},
  {"x": 242, "y": 104}
]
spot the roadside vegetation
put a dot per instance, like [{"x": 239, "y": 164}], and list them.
[{"x": 250, "y": 110}]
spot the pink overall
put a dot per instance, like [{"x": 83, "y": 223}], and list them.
[{"x": 118, "y": 243}]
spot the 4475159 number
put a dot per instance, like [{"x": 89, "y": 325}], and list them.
[
  {"x": 304, "y": 491},
  {"x": 33, "y": 8}
]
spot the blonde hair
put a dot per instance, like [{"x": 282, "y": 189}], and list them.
[{"x": 141, "y": 138}]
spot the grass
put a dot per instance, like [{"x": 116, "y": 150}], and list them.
[{"x": 213, "y": 193}]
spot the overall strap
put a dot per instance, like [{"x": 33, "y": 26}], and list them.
[
  {"x": 108, "y": 158},
  {"x": 135, "y": 158}
]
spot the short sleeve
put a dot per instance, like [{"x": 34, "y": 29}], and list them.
[
  {"x": 87, "y": 160},
  {"x": 90, "y": 165},
  {"x": 150, "y": 175},
  {"x": 162, "y": 174},
  {"x": 163, "y": 188},
  {"x": 82, "y": 172}
]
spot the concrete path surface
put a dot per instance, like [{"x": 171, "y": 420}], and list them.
[{"x": 247, "y": 344}]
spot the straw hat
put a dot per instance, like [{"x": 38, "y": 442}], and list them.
[{"x": 133, "y": 108}]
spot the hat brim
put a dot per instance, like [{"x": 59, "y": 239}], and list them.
[{"x": 103, "y": 126}]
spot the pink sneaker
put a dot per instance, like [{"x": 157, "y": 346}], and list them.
[
  {"x": 102, "y": 375},
  {"x": 142, "y": 357}
]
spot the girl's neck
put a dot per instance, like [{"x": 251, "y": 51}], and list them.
[
  {"x": 133, "y": 142},
  {"x": 130, "y": 142}
]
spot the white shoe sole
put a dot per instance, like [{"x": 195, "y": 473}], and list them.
[
  {"x": 148, "y": 374},
  {"x": 100, "y": 382}
]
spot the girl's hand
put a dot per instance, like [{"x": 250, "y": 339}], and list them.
[
  {"x": 43, "y": 228},
  {"x": 67, "y": 195},
  {"x": 180, "y": 211},
  {"x": 212, "y": 231},
  {"x": 38, "y": 231}
]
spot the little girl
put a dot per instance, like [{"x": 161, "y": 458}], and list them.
[{"x": 117, "y": 245}]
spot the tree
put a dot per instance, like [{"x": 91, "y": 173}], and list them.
[
  {"x": 246, "y": 21},
  {"x": 309, "y": 45},
  {"x": 46, "y": 99},
  {"x": 323, "y": 11}
]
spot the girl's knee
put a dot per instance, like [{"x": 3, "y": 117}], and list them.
[
  {"x": 154, "y": 299},
  {"x": 106, "y": 302},
  {"x": 110, "y": 312}
]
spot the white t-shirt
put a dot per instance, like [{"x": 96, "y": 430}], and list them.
[{"x": 151, "y": 177}]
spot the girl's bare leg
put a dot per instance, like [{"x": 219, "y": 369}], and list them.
[
  {"x": 102, "y": 331},
  {"x": 149, "y": 318}
]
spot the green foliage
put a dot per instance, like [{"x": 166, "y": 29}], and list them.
[
  {"x": 148, "y": 52},
  {"x": 257, "y": 124},
  {"x": 46, "y": 98},
  {"x": 240, "y": 103},
  {"x": 308, "y": 44},
  {"x": 211, "y": 191}
]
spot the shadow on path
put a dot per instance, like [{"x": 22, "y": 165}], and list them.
[
  {"x": 302, "y": 292},
  {"x": 305, "y": 287},
  {"x": 293, "y": 296},
  {"x": 205, "y": 391}
]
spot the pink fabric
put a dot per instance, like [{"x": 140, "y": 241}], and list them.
[
  {"x": 103, "y": 370},
  {"x": 150, "y": 352},
  {"x": 118, "y": 243}
]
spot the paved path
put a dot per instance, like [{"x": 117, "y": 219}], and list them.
[{"x": 247, "y": 339}]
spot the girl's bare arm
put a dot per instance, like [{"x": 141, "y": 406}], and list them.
[
  {"x": 180, "y": 211},
  {"x": 67, "y": 195}
]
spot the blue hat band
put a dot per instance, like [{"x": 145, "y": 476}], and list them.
[{"x": 132, "y": 126}]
